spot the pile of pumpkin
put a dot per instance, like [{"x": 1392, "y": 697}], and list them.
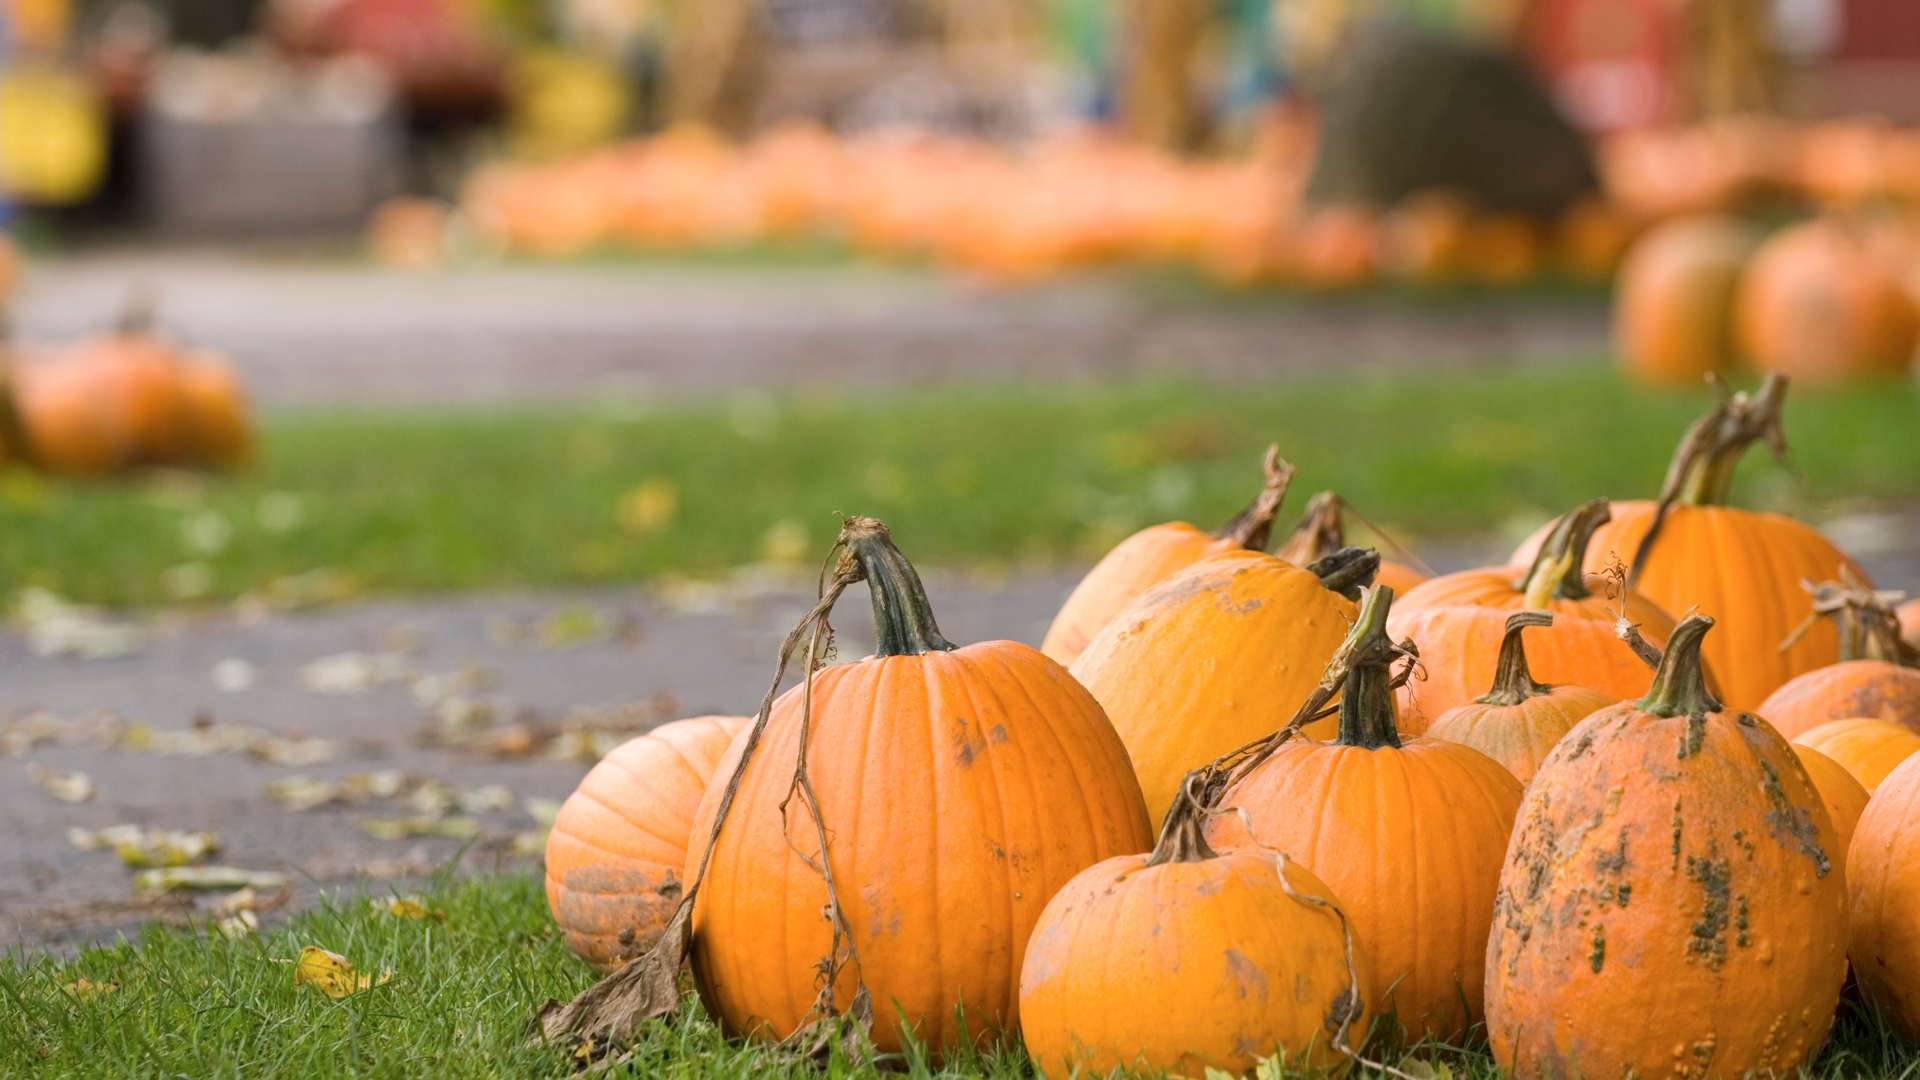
[
  {"x": 120, "y": 400},
  {"x": 1003, "y": 214},
  {"x": 1524, "y": 796}
]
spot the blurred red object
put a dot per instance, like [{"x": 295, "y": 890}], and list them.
[
  {"x": 1611, "y": 64},
  {"x": 442, "y": 57}
]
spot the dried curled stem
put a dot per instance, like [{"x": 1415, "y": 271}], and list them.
[
  {"x": 1868, "y": 624},
  {"x": 1323, "y": 531},
  {"x": 1251, "y": 528}
]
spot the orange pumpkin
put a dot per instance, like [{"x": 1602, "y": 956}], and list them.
[
  {"x": 1815, "y": 305},
  {"x": 1391, "y": 826},
  {"x": 105, "y": 403},
  {"x": 219, "y": 430},
  {"x": 1214, "y": 657},
  {"x": 1672, "y": 902},
  {"x": 1673, "y": 300},
  {"x": 1876, "y": 676},
  {"x": 1867, "y": 748},
  {"x": 959, "y": 789},
  {"x": 1323, "y": 532},
  {"x": 1742, "y": 567},
  {"x": 1140, "y": 561},
  {"x": 1590, "y": 238},
  {"x": 1845, "y": 797},
  {"x": 618, "y": 849},
  {"x": 1335, "y": 247},
  {"x": 1426, "y": 237},
  {"x": 1909, "y": 614},
  {"x": 1518, "y": 722},
  {"x": 1504, "y": 250},
  {"x": 1883, "y": 901},
  {"x": 1187, "y": 961},
  {"x": 409, "y": 232}
]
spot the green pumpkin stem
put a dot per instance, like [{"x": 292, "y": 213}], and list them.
[
  {"x": 1701, "y": 473},
  {"x": 1347, "y": 571},
  {"x": 1183, "y": 835},
  {"x": 1556, "y": 573},
  {"x": 1513, "y": 682},
  {"x": 902, "y": 619},
  {"x": 1366, "y": 697},
  {"x": 1680, "y": 683},
  {"x": 1252, "y": 527}
]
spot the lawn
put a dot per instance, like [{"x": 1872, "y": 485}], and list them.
[
  {"x": 461, "y": 989},
  {"x": 413, "y": 501}
]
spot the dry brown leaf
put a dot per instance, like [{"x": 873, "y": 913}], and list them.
[{"x": 332, "y": 974}]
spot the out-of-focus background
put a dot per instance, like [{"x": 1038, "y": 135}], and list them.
[{"x": 404, "y": 400}]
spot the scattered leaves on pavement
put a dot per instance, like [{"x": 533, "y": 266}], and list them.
[{"x": 206, "y": 877}]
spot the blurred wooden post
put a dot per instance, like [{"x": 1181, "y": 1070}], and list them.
[
  {"x": 716, "y": 64},
  {"x": 1729, "y": 56},
  {"x": 1159, "y": 56}
]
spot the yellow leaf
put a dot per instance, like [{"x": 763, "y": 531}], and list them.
[
  {"x": 649, "y": 506},
  {"x": 87, "y": 989},
  {"x": 403, "y": 908},
  {"x": 332, "y": 973}
]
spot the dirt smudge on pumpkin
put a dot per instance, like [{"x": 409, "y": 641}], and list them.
[
  {"x": 1246, "y": 976},
  {"x": 1693, "y": 736},
  {"x": 1598, "y": 957},
  {"x": 1787, "y": 820},
  {"x": 1343, "y": 1010},
  {"x": 1713, "y": 875}
]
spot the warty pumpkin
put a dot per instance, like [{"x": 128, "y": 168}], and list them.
[
  {"x": 1883, "y": 900},
  {"x": 1142, "y": 560},
  {"x": 1843, "y": 795},
  {"x": 1673, "y": 300},
  {"x": 1519, "y": 720},
  {"x": 1867, "y": 748},
  {"x": 1878, "y": 674},
  {"x": 1215, "y": 656},
  {"x": 1323, "y": 531},
  {"x": 618, "y": 850},
  {"x": 1742, "y": 567},
  {"x": 1392, "y": 826},
  {"x": 1672, "y": 902},
  {"x": 958, "y": 789},
  {"x": 1189, "y": 960}
]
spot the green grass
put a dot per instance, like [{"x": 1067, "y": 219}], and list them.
[
  {"x": 441, "y": 500},
  {"x": 211, "y": 1008}
]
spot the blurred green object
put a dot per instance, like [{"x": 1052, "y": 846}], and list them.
[{"x": 418, "y": 501}]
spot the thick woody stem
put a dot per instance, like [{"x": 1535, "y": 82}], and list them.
[
  {"x": 1512, "y": 682},
  {"x": 1252, "y": 527},
  {"x": 1680, "y": 685},
  {"x": 1557, "y": 572}
]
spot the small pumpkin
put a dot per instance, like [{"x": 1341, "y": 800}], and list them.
[
  {"x": 1814, "y": 304},
  {"x": 1187, "y": 961},
  {"x": 1518, "y": 722},
  {"x": 1867, "y": 748},
  {"x": 1140, "y": 561},
  {"x": 1323, "y": 531},
  {"x": 1216, "y": 656},
  {"x": 1672, "y": 902},
  {"x": 1392, "y": 826},
  {"x": 219, "y": 424},
  {"x": 1673, "y": 299},
  {"x": 105, "y": 403},
  {"x": 1844, "y": 796},
  {"x": 1878, "y": 674},
  {"x": 958, "y": 789},
  {"x": 1689, "y": 550},
  {"x": 1883, "y": 900},
  {"x": 618, "y": 848}
]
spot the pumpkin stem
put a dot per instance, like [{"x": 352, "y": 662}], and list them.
[
  {"x": 1366, "y": 697},
  {"x": 1182, "y": 834},
  {"x": 1251, "y": 528},
  {"x": 902, "y": 619},
  {"x": 1680, "y": 684},
  {"x": 1701, "y": 473},
  {"x": 1868, "y": 624},
  {"x": 1556, "y": 572},
  {"x": 1512, "y": 681},
  {"x": 1347, "y": 571},
  {"x": 1320, "y": 533}
]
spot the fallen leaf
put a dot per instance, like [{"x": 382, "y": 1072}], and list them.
[
  {"x": 331, "y": 973},
  {"x": 354, "y": 672},
  {"x": 74, "y": 787},
  {"x": 422, "y": 825},
  {"x": 139, "y": 846},
  {"x": 649, "y": 506},
  {"x": 482, "y": 799},
  {"x": 574, "y": 624},
  {"x": 544, "y": 811},
  {"x": 247, "y": 898},
  {"x": 239, "y": 924},
  {"x": 206, "y": 877},
  {"x": 233, "y": 676},
  {"x": 88, "y": 989},
  {"x": 58, "y": 628},
  {"x": 530, "y": 842},
  {"x": 401, "y": 907}
]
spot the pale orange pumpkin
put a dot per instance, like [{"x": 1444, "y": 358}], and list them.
[
  {"x": 618, "y": 848},
  {"x": 1518, "y": 721},
  {"x": 1883, "y": 901},
  {"x": 1142, "y": 560},
  {"x": 1867, "y": 748}
]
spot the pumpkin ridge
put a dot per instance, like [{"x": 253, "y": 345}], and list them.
[
  {"x": 636, "y": 779},
  {"x": 667, "y": 842},
  {"x": 991, "y": 792},
  {"x": 1056, "y": 738}
]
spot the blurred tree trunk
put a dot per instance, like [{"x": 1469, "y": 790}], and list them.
[
  {"x": 717, "y": 64},
  {"x": 1729, "y": 56},
  {"x": 1160, "y": 46}
]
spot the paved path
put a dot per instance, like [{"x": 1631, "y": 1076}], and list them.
[{"x": 317, "y": 332}]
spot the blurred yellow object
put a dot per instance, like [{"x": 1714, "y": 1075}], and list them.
[
  {"x": 53, "y": 135},
  {"x": 564, "y": 102},
  {"x": 37, "y": 25}
]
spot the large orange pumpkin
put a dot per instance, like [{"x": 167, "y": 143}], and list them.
[
  {"x": 1844, "y": 796},
  {"x": 1883, "y": 900},
  {"x": 1867, "y": 748},
  {"x": 1876, "y": 677},
  {"x": 1188, "y": 961},
  {"x": 1742, "y": 567},
  {"x": 1518, "y": 722},
  {"x": 1323, "y": 531},
  {"x": 617, "y": 852},
  {"x": 1214, "y": 657},
  {"x": 1673, "y": 299},
  {"x": 959, "y": 789},
  {"x": 1140, "y": 561},
  {"x": 1391, "y": 826},
  {"x": 1816, "y": 305},
  {"x": 1672, "y": 902},
  {"x": 105, "y": 403}
]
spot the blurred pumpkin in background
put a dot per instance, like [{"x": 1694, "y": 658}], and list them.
[
  {"x": 409, "y": 232},
  {"x": 1815, "y": 305},
  {"x": 1673, "y": 301}
]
